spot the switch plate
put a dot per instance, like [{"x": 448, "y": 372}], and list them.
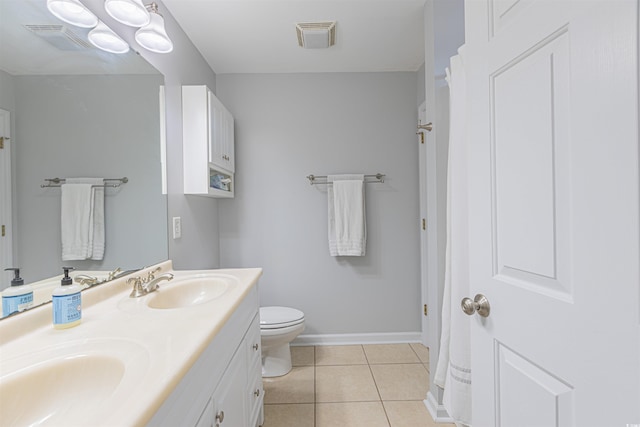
[{"x": 177, "y": 227}]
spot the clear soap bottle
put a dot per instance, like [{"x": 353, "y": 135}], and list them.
[
  {"x": 67, "y": 303},
  {"x": 17, "y": 297}
]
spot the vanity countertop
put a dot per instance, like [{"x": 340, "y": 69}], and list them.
[{"x": 125, "y": 358}]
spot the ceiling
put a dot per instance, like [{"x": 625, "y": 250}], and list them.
[
  {"x": 23, "y": 52},
  {"x": 259, "y": 36}
]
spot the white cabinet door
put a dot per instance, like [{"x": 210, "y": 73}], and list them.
[
  {"x": 553, "y": 218},
  {"x": 221, "y": 134},
  {"x": 230, "y": 399}
]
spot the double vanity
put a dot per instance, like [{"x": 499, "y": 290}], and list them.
[{"x": 185, "y": 354}]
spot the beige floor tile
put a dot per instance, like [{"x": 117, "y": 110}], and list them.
[
  {"x": 401, "y": 381},
  {"x": 295, "y": 387},
  {"x": 351, "y": 414},
  {"x": 303, "y": 356},
  {"x": 352, "y": 383},
  {"x": 421, "y": 351},
  {"x": 290, "y": 415},
  {"x": 390, "y": 353},
  {"x": 340, "y": 355},
  {"x": 410, "y": 414}
]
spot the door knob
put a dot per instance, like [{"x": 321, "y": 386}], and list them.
[
  {"x": 479, "y": 304},
  {"x": 428, "y": 127}
]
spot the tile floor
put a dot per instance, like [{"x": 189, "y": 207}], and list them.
[{"x": 351, "y": 386}]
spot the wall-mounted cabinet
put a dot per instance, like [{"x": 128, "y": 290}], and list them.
[{"x": 208, "y": 144}]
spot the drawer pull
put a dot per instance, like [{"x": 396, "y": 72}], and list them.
[
  {"x": 255, "y": 347},
  {"x": 257, "y": 392},
  {"x": 220, "y": 417}
]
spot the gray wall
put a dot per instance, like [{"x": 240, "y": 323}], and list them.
[
  {"x": 7, "y": 97},
  {"x": 198, "y": 246},
  {"x": 292, "y": 125},
  {"x": 70, "y": 126},
  {"x": 421, "y": 88}
]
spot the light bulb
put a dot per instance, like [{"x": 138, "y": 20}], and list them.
[
  {"x": 153, "y": 36},
  {"x": 104, "y": 38},
  {"x": 128, "y": 12},
  {"x": 72, "y": 12}
]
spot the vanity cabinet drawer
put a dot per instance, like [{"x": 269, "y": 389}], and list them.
[
  {"x": 255, "y": 399},
  {"x": 255, "y": 390},
  {"x": 253, "y": 344}
]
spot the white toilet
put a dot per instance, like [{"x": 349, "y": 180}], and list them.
[{"x": 278, "y": 327}]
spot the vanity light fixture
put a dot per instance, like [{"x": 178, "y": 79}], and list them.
[
  {"x": 106, "y": 39},
  {"x": 129, "y": 12},
  {"x": 153, "y": 36},
  {"x": 72, "y": 12}
]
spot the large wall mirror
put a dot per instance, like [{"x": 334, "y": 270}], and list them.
[{"x": 76, "y": 111}]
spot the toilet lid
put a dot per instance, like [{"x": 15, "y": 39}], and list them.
[{"x": 279, "y": 317}]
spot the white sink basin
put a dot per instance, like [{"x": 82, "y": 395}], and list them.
[
  {"x": 68, "y": 385},
  {"x": 189, "y": 291}
]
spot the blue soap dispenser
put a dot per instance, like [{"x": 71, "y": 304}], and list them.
[
  {"x": 18, "y": 297},
  {"x": 67, "y": 303}
]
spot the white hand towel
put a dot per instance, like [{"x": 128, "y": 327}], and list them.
[
  {"x": 98, "y": 223},
  {"x": 82, "y": 219},
  {"x": 346, "y": 213}
]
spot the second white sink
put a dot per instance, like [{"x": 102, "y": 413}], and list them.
[{"x": 190, "y": 291}]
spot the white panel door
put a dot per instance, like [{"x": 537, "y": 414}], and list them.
[{"x": 554, "y": 224}]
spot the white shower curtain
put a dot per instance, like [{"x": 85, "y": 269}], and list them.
[{"x": 453, "y": 372}]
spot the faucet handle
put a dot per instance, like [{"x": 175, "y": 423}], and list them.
[
  {"x": 113, "y": 274},
  {"x": 137, "y": 281},
  {"x": 138, "y": 290},
  {"x": 151, "y": 274}
]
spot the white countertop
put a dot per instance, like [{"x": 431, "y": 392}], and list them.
[{"x": 157, "y": 347}]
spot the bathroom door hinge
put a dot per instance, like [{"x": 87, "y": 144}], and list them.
[
  {"x": 426, "y": 310},
  {"x": 421, "y": 137},
  {"x": 3, "y": 231},
  {"x": 424, "y": 224}
]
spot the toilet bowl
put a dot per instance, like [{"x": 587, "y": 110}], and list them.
[{"x": 278, "y": 327}]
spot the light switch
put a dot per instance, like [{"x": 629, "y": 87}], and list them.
[{"x": 177, "y": 227}]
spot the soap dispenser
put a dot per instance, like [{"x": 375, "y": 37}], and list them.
[
  {"x": 18, "y": 296},
  {"x": 67, "y": 303}
]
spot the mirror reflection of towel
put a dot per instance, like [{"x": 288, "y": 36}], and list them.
[
  {"x": 347, "y": 221},
  {"x": 82, "y": 219}
]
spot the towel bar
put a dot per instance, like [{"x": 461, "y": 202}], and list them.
[
  {"x": 313, "y": 179},
  {"x": 57, "y": 182}
]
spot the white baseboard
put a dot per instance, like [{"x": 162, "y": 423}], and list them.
[
  {"x": 345, "y": 339},
  {"x": 437, "y": 411}
]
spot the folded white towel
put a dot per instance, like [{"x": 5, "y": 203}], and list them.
[
  {"x": 98, "y": 241},
  {"x": 82, "y": 219},
  {"x": 346, "y": 213}
]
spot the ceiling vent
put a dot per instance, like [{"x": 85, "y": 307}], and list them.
[
  {"x": 59, "y": 36},
  {"x": 316, "y": 35}
]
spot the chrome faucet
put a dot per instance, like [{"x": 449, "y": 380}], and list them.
[
  {"x": 86, "y": 280},
  {"x": 144, "y": 285}
]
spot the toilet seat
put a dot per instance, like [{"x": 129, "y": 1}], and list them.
[{"x": 280, "y": 317}]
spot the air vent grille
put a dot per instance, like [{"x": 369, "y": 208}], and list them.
[
  {"x": 316, "y": 35},
  {"x": 59, "y": 36}
]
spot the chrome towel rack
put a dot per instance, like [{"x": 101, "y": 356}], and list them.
[
  {"x": 322, "y": 179},
  {"x": 108, "y": 182}
]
